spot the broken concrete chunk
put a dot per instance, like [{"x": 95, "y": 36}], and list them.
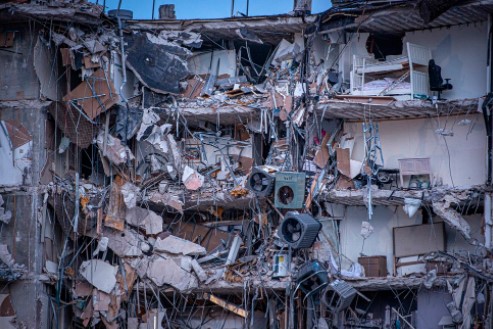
[
  {"x": 452, "y": 217},
  {"x": 140, "y": 265},
  {"x": 163, "y": 271},
  {"x": 114, "y": 150},
  {"x": 100, "y": 274},
  {"x": 102, "y": 246},
  {"x": 126, "y": 244},
  {"x": 199, "y": 271},
  {"x": 130, "y": 193},
  {"x": 192, "y": 179},
  {"x": 151, "y": 222},
  {"x": 176, "y": 245},
  {"x": 167, "y": 199}
]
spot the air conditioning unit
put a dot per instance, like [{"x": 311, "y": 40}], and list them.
[
  {"x": 299, "y": 230},
  {"x": 290, "y": 190},
  {"x": 260, "y": 182},
  {"x": 338, "y": 295}
]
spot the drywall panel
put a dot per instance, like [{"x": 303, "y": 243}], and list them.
[
  {"x": 419, "y": 138},
  {"x": 461, "y": 52}
]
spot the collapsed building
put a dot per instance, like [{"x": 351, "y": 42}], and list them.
[{"x": 290, "y": 171}]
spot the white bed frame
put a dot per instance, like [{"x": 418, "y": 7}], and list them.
[{"x": 416, "y": 62}]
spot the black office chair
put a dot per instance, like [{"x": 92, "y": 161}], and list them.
[{"x": 436, "y": 81}]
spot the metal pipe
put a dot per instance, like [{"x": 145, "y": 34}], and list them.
[{"x": 232, "y": 7}]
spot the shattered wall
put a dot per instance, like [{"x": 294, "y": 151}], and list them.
[
  {"x": 456, "y": 139},
  {"x": 466, "y": 69},
  {"x": 18, "y": 80}
]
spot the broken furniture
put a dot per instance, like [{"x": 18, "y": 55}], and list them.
[
  {"x": 405, "y": 76},
  {"x": 415, "y": 241},
  {"x": 416, "y": 172},
  {"x": 300, "y": 230}
]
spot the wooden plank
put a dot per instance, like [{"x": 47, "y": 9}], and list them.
[{"x": 228, "y": 306}]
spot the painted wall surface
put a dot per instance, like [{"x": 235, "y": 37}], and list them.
[
  {"x": 431, "y": 308},
  {"x": 461, "y": 51},
  {"x": 380, "y": 243},
  {"x": 418, "y": 138}
]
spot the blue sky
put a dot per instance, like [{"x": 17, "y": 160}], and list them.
[{"x": 186, "y": 9}]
